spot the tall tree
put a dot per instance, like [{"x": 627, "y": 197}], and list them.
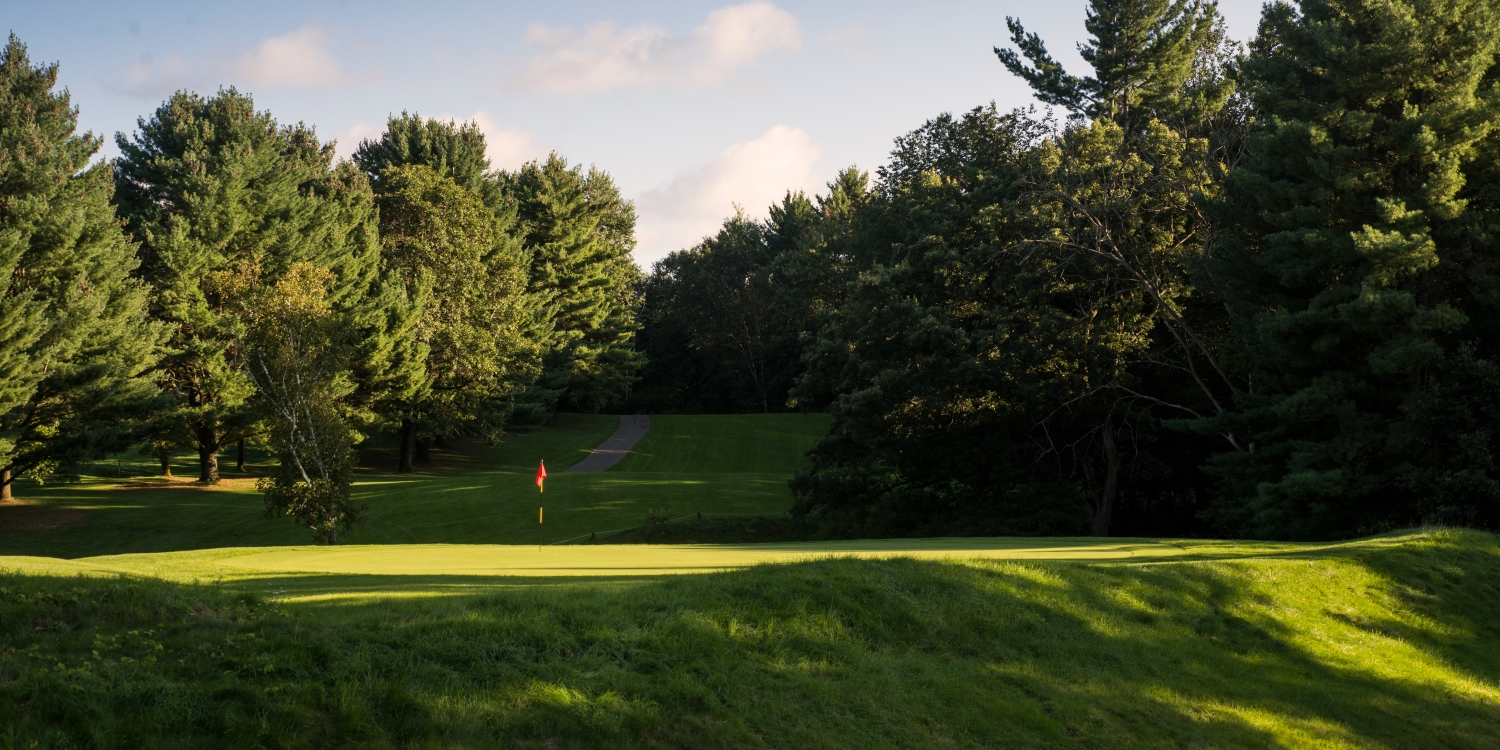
[
  {"x": 724, "y": 321},
  {"x": 77, "y": 350},
  {"x": 1354, "y": 249},
  {"x": 1147, "y": 57},
  {"x": 453, "y": 150},
  {"x": 476, "y": 326},
  {"x": 580, "y": 231},
  {"x": 207, "y": 183},
  {"x": 298, "y": 353}
]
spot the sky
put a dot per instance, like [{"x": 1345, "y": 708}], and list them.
[{"x": 693, "y": 107}]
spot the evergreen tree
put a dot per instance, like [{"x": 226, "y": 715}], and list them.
[
  {"x": 580, "y": 232},
  {"x": 1148, "y": 58},
  {"x": 724, "y": 321},
  {"x": 77, "y": 350},
  {"x": 475, "y": 331},
  {"x": 208, "y": 184},
  {"x": 453, "y": 150},
  {"x": 1354, "y": 250}
]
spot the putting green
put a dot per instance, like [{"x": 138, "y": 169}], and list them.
[{"x": 429, "y": 569}]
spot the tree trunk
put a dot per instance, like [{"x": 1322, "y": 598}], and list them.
[
  {"x": 239, "y": 464},
  {"x": 4, "y": 485},
  {"x": 424, "y": 452},
  {"x": 1106, "y": 508},
  {"x": 164, "y": 457},
  {"x": 208, "y": 456},
  {"x": 333, "y": 535},
  {"x": 408, "y": 446}
]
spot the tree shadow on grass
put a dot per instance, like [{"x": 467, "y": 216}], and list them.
[{"x": 1384, "y": 648}]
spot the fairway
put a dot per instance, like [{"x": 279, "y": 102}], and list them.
[{"x": 470, "y": 493}]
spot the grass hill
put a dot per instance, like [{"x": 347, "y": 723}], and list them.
[
  {"x": 469, "y": 493},
  {"x": 136, "y": 612},
  {"x": 1391, "y": 642}
]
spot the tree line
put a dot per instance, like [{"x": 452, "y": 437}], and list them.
[
  {"x": 228, "y": 279},
  {"x": 1239, "y": 290}
]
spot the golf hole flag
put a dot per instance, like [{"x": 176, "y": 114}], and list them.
[{"x": 541, "y": 474}]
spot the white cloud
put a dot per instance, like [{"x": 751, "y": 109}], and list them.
[
  {"x": 507, "y": 148},
  {"x": 752, "y": 174},
  {"x": 349, "y": 138},
  {"x": 606, "y": 57},
  {"x": 299, "y": 59}
]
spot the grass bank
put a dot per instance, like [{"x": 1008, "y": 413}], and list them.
[{"x": 1387, "y": 642}]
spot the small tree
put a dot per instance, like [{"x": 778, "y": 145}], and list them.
[{"x": 296, "y": 352}]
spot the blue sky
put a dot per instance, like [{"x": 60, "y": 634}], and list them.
[{"x": 692, "y": 106}]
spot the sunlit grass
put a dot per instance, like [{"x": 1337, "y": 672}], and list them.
[{"x": 1387, "y": 642}]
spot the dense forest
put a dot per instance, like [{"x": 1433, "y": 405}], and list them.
[
  {"x": 1232, "y": 290},
  {"x": 226, "y": 279},
  {"x": 1212, "y": 289}
]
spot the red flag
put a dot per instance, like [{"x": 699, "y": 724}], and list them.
[{"x": 541, "y": 473}]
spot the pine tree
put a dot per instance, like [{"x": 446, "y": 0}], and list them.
[
  {"x": 453, "y": 150},
  {"x": 208, "y": 184},
  {"x": 475, "y": 326},
  {"x": 1148, "y": 58},
  {"x": 1353, "y": 249},
  {"x": 580, "y": 232},
  {"x": 76, "y": 348}
]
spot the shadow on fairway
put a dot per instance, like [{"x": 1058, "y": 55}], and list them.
[{"x": 1387, "y": 646}]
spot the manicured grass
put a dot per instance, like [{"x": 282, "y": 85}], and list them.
[
  {"x": 1387, "y": 642},
  {"x": 471, "y": 494}
]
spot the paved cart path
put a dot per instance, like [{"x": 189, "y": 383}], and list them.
[{"x": 609, "y": 452}]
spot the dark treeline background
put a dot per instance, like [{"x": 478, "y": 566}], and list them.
[{"x": 1236, "y": 290}]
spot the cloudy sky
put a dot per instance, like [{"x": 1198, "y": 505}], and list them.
[{"x": 692, "y": 106}]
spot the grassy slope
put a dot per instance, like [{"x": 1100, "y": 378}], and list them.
[
  {"x": 481, "y": 495},
  {"x": 1389, "y": 642}
]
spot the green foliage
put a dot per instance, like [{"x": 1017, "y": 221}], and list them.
[
  {"x": 296, "y": 351},
  {"x": 1354, "y": 251},
  {"x": 1152, "y": 60},
  {"x": 452, "y": 150},
  {"x": 209, "y": 184},
  {"x": 77, "y": 351},
  {"x": 475, "y": 343},
  {"x": 724, "y": 321},
  {"x": 1390, "y": 642},
  {"x": 580, "y": 232}
]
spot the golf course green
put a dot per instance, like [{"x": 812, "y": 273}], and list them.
[
  {"x": 469, "y": 494},
  {"x": 140, "y": 612}
]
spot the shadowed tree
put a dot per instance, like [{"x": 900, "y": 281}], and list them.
[
  {"x": 207, "y": 183},
  {"x": 77, "y": 350}
]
